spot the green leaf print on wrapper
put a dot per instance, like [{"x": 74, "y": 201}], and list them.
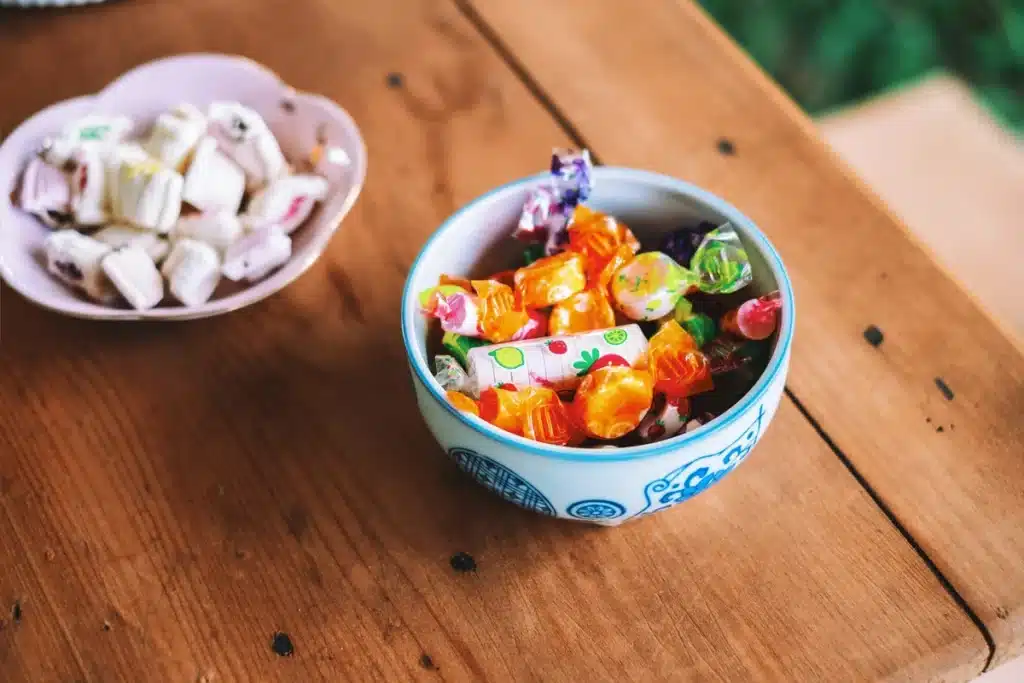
[
  {"x": 587, "y": 359},
  {"x": 509, "y": 357}
]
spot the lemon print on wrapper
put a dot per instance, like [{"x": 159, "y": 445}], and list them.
[
  {"x": 616, "y": 337},
  {"x": 509, "y": 357}
]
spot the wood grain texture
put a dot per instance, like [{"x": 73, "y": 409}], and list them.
[
  {"x": 951, "y": 470},
  {"x": 204, "y": 485}
]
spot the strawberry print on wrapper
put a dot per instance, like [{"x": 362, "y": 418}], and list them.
[{"x": 557, "y": 363}]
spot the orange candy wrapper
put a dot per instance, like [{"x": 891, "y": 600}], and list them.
[
  {"x": 549, "y": 280},
  {"x": 611, "y": 401},
  {"x": 500, "y": 317},
  {"x": 507, "y": 408},
  {"x": 679, "y": 368},
  {"x": 600, "y": 238},
  {"x": 582, "y": 312},
  {"x": 463, "y": 402},
  {"x": 552, "y": 423}
]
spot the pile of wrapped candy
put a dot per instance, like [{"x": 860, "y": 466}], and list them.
[
  {"x": 200, "y": 196},
  {"x": 595, "y": 341}
]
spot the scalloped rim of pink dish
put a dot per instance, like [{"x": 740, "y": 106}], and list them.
[{"x": 67, "y": 110}]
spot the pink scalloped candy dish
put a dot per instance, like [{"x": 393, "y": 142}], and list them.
[{"x": 299, "y": 121}]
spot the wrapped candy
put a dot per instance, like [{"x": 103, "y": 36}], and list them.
[
  {"x": 174, "y": 135},
  {"x": 97, "y": 131},
  {"x": 536, "y": 326},
  {"x": 727, "y": 354},
  {"x": 700, "y": 326},
  {"x": 135, "y": 276},
  {"x": 457, "y": 309},
  {"x": 463, "y": 402},
  {"x": 243, "y": 135},
  {"x": 542, "y": 215},
  {"x": 219, "y": 229},
  {"x": 648, "y": 287},
  {"x": 755, "y": 318},
  {"x": 598, "y": 237},
  {"x": 147, "y": 195},
  {"x": 89, "y": 187},
  {"x": 666, "y": 418},
  {"x": 508, "y": 408},
  {"x": 213, "y": 183},
  {"x": 45, "y": 192},
  {"x": 500, "y": 317},
  {"x": 451, "y": 376},
  {"x": 721, "y": 265},
  {"x": 118, "y": 236},
  {"x": 678, "y": 367},
  {"x": 459, "y": 347},
  {"x": 76, "y": 260},
  {"x": 582, "y": 312},
  {"x": 682, "y": 244},
  {"x": 611, "y": 401},
  {"x": 552, "y": 423},
  {"x": 571, "y": 176},
  {"x": 192, "y": 270},
  {"x": 286, "y": 202},
  {"x": 549, "y": 280},
  {"x": 255, "y": 255},
  {"x": 554, "y": 362}
]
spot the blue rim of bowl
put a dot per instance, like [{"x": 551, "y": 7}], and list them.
[{"x": 410, "y": 308}]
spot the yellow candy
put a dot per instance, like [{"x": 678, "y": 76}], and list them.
[
  {"x": 588, "y": 310},
  {"x": 611, "y": 401},
  {"x": 500, "y": 317},
  {"x": 549, "y": 280}
]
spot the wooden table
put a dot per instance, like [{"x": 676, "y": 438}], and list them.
[{"x": 173, "y": 496}]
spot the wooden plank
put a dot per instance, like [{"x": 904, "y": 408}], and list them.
[
  {"x": 34, "y": 646},
  {"x": 211, "y": 483},
  {"x": 654, "y": 84},
  {"x": 942, "y": 162}
]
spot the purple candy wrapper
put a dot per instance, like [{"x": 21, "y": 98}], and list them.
[
  {"x": 571, "y": 175},
  {"x": 682, "y": 244}
]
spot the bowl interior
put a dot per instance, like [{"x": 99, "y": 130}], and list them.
[
  {"x": 299, "y": 121},
  {"x": 476, "y": 240}
]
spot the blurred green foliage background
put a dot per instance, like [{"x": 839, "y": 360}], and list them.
[{"x": 827, "y": 53}]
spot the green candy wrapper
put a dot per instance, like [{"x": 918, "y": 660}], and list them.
[
  {"x": 700, "y": 326},
  {"x": 721, "y": 265},
  {"x": 458, "y": 346}
]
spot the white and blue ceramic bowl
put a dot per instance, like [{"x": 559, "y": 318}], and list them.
[{"x": 604, "y": 486}]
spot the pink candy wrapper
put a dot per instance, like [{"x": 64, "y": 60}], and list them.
[{"x": 666, "y": 418}]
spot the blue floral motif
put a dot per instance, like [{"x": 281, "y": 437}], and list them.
[
  {"x": 501, "y": 480},
  {"x": 700, "y": 473},
  {"x": 596, "y": 509}
]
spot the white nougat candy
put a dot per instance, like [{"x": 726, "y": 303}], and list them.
[
  {"x": 286, "y": 202},
  {"x": 213, "y": 182},
  {"x": 244, "y": 136},
  {"x": 96, "y": 131},
  {"x": 45, "y": 192},
  {"x": 147, "y": 195},
  {"x": 220, "y": 229},
  {"x": 192, "y": 270},
  {"x": 135, "y": 276},
  {"x": 75, "y": 259},
  {"x": 89, "y": 187},
  {"x": 118, "y": 236},
  {"x": 256, "y": 254},
  {"x": 174, "y": 136}
]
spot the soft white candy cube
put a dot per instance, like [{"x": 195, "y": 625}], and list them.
[
  {"x": 118, "y": 236},
  {"x": 220, "y": 229},
  {"x": 148, "y": 195},
  {"x": 96, "y": 131},
  {"x": 256, "y": 254},
  {"x": 45, "y": 192},
  {"x": 213, "y": 182},
  {"x": 192, "y": 270},
  {"x": 286, "y": 202},
  {"x": 75, "y": 259},
  {"x": 174, "y": 136},
  {"x": 244, "y": 136},
  {"x": 89, "y": 187},
  {"x": 135, "y": 275}
]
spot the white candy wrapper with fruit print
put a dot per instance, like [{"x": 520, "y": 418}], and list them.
[{"x": 554, "y": 362}]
